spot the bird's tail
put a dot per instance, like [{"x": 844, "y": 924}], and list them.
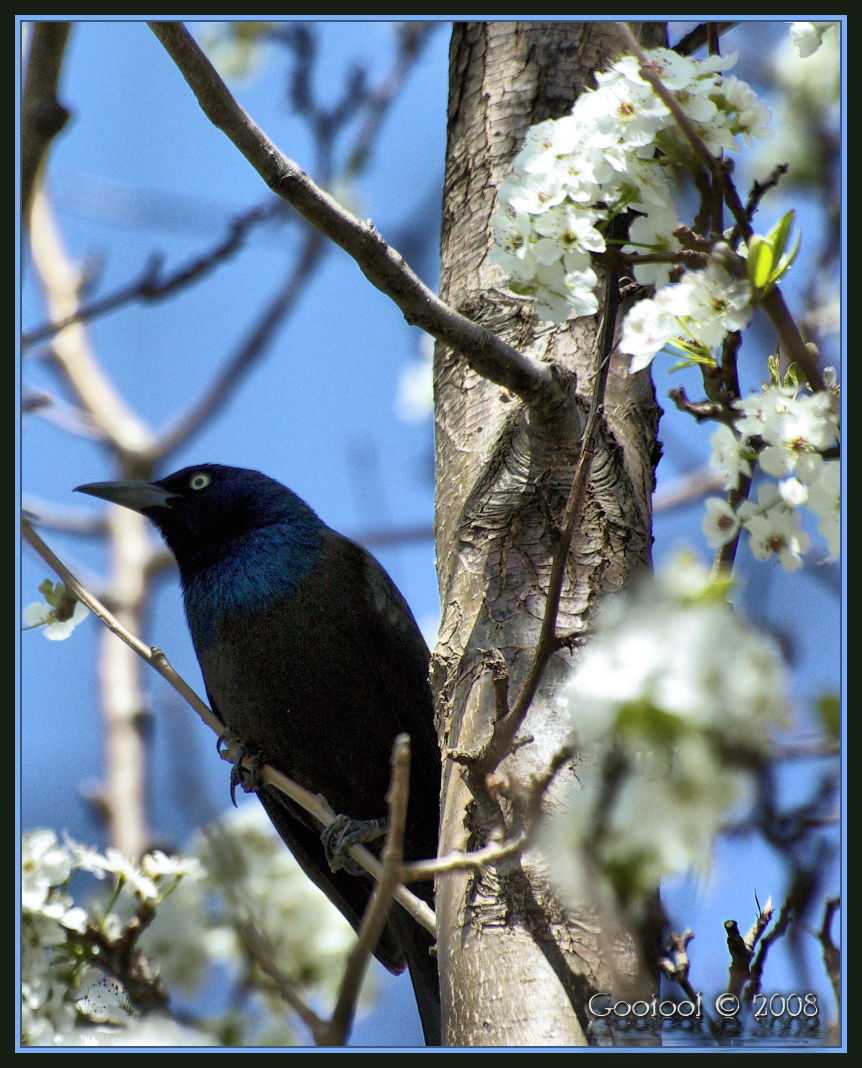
[{"x": 418, "y": 947}]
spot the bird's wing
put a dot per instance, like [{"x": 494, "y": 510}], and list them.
[
  {"x": 393, "y": 646},
  {"x": 300, "y": 832}
]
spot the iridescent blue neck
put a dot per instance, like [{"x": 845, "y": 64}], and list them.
[{"x": 247, "y": 575}]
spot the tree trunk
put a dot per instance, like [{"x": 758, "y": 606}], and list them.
[{"x": 517, "y": 968}]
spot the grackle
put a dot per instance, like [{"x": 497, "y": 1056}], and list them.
[{"x": 312, "y": 659}]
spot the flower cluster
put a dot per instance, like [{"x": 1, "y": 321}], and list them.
[
  {"x": 787, "y": 431},
  {"x": 672, "y": 706},
  {"x": 696, "y": 314},
  {"x": 60, "y": 988},
  {"x": 184, "y": 917},
  {"x": 608, "y": 156}
]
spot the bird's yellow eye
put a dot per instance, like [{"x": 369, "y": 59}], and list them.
[{"x": 199, "y": 481}]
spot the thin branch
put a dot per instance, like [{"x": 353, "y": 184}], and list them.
[
  {"x": 221, "y": 388},
  {"x": 699, "y": 410},
  {"x": 740, "y": 958},
  {"x": 758, "y": 191},
  {"x": 374, "y": 918},
  {"x": 260, "y": 953},
  {"x": 695, "y": 39},
  {"x": 312, "y": 803},
  {"x": 773, "y": 302},
  {"x": 153, "y": 656},
  {"x": 758, "y": 963},
  {"x": 795, "y": 350},
  {"x": 831, "y": 953},
  {"x": 537, "y": 383},
  {"x": 505, "y": 729},
  {"x": 496, "y": 851},
  {"x": 455, "y": 860},
  {"x": 152, "y": 285}
]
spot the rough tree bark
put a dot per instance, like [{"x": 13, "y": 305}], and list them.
[{"x": 516, "y": 967}]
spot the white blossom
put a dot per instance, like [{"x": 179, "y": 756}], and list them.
[
  {"x": 773, "y": 529},
  {"x": 730, "y": 455},
  {"x": 44, "y": 614},
  {"x": 647, "y": 328},
  {"x": 680, "y": 697},
  {"x": 808, "y": 36},
  {"x": 795, "y": 429},
  {"x": 720, "y": 523},
  {"x": 573, "y": 174},
  {"x": 824, "y": 500}
]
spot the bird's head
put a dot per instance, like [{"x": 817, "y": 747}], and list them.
[{"x": 209, "y": 506}]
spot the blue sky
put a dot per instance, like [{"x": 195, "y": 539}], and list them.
[{"x": 140, "y": 170}]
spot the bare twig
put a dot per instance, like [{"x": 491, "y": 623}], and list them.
[
  {"x": 486, "y": 857},
  {"x": 152, "y": 285},
  {"x": 758, "y": 191},
  {"x": 740, "y": 958},
  {"x": 676, "y": 964},
  {"x": 698, "y": 37},
  {"x": 758, "y": 963},
  {"x": 497, "y": 851},
  {"x": 260, "y": 953},
  {"x": 700, "y": 410},
  {"x": 374, "y": 918},
  {"x": 537, "y": 383},
  {"x": 831, "y": 952}
]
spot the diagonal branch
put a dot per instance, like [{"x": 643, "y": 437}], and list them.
[
  {"x": 221, "y": 388},
  {"x": 773, "y": 302},
  {"x": 538, "y": 384},
  {"x": 312, "y": 803},
  {"x": 152, "y": 284}
]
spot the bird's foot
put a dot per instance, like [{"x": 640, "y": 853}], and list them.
[
  {"x": 248, "y": 778},
  {"x": 344, "y": 832}
]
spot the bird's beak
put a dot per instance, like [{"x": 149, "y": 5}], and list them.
[{"x": 139, "y": 496}]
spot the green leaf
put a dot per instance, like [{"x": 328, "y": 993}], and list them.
[
  {"x": 780, "y": 232},
  {"x": 786, "y": 261},
  {"x": 761, "y": 258}
]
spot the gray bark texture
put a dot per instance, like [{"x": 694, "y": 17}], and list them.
[{"x": 517, "y": 966}]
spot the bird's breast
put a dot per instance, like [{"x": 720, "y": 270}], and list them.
[{"x": 288, "y": 678}]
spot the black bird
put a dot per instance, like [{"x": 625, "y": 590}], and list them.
[{"x": 312, "y": 658}]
